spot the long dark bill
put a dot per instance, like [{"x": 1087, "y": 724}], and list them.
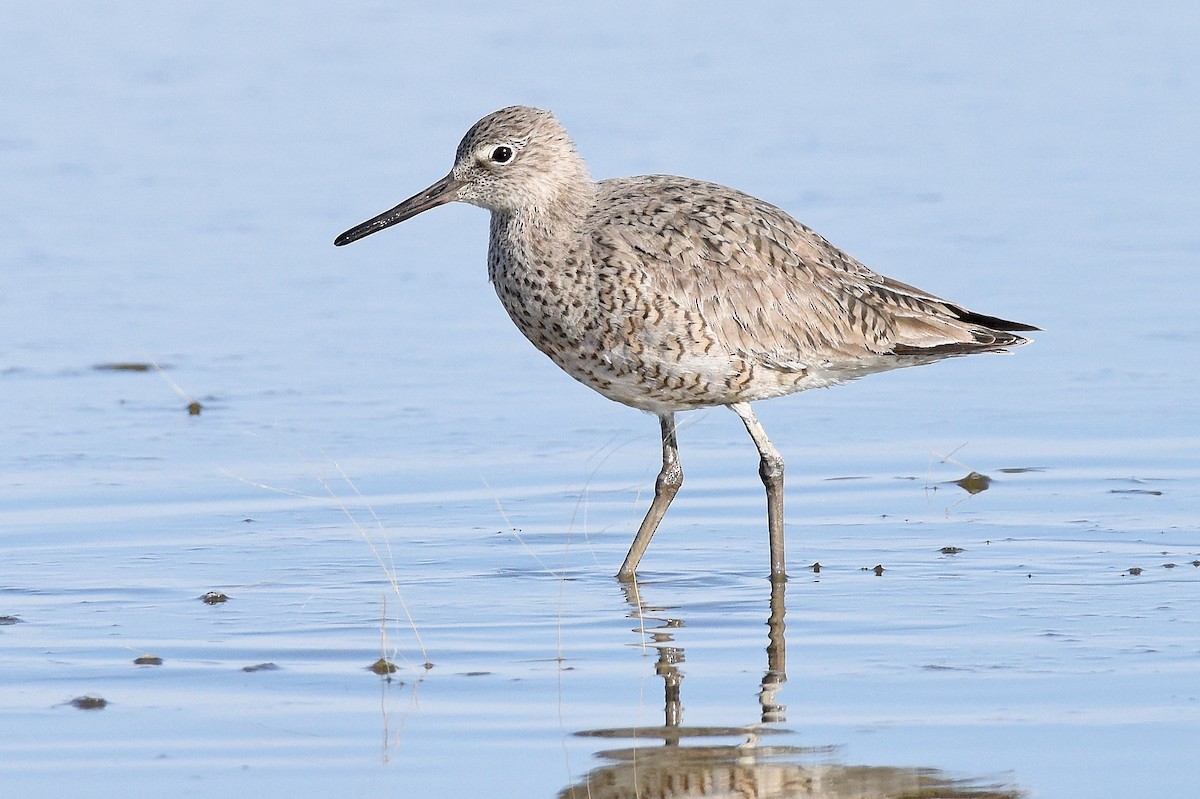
[{"x": 439, "y": 193}]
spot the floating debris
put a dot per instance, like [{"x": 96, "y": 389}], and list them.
[
  {"x": 974, "y": 483},
  {"x": 260, "y": 667},
  {"x": 384, "y": 666},
  {"x": 89, "y": 702},
  {"x": 1148, "y": 492},
  {"x": 214, "y": 598},
  {"x": 123, "y": 366},
  {"x": 148, "y": 660},
  {"x": 951, "y": 550}
]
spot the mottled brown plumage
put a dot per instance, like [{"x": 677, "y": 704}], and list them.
[{"x": 669, "y": 294}]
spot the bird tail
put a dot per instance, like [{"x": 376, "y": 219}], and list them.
[
  {"x": 992, "y": 322},
  {"x": 988, "y": 334}
]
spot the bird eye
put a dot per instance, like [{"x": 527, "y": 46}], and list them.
[{"x": 502, "y": 155}]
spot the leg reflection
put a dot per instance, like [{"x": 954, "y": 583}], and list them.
[
  {"x": 670, "y": 655},
  {"x": 776, "y": 674}
]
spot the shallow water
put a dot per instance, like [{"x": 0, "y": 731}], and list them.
[{"x": 176, "y": 178}]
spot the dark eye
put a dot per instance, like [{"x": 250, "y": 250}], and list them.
[{"x": 502, "y": 154}]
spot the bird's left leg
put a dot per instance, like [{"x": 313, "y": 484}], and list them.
[{"x": 770, "y": 469}]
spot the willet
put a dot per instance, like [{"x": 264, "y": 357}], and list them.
[{"x": 669, "y": 294}]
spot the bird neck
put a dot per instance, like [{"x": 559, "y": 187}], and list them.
[
  {"x": 541, "y": 234},
  {"x": 538, "y": 266}
]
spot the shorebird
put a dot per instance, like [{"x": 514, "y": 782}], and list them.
[{"x": 669, "y": 294}]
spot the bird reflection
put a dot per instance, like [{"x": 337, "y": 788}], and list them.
[{"x": 693, "y": 762}]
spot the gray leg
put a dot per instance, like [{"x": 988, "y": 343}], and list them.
[
  {"x": 770, "y": 469},
  {"x": 665, "y": 489}
]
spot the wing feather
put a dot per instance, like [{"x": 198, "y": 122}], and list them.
[{"x": 749, "y": 281}]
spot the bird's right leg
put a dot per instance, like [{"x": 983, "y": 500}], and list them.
[{"x": 665, "y": 489}]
